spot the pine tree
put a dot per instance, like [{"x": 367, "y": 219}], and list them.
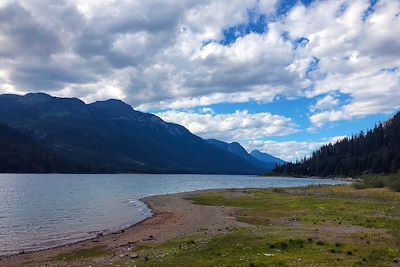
[{"x": 376, "y": 151}]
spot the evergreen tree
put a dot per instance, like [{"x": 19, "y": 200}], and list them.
[{"x": 376, "y": 151}]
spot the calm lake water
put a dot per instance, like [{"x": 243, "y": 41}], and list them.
[{"x": 44, "y": 210}]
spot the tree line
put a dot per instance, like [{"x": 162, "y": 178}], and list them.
[{"x": 375, "y": 152}]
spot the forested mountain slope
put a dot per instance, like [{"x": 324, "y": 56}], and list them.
[
  {"x": 106, "y": 137},
  {"x": 377, "y": 151}
]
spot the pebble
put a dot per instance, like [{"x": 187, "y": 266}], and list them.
[{"x": 134, "y": 256}]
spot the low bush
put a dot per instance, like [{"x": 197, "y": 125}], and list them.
[{"x": 379, "y": 181}]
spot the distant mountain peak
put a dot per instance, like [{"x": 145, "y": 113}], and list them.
[
  {"x": 237, "y": 149},
  {"x": 35, "y": 98},
  {"x": 115, "y": 108},
  {"x": 41, "y": 98},
  {"x": 112, "y": 104},
  {"x": 265, "y": 157},
  {"x": 233, "y": 147},
  {"x": 38, "y": 95}
]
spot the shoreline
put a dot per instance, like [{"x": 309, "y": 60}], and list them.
[
  {"x": 343, "y": 179},
  {"x": 161, "y": 208},
  {"x": 172, "y": 216},
  {"x": 99, "y": 234},
  {"x": 153, "y": 215}
]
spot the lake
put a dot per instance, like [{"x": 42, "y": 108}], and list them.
[{"x": 39, "y": 211}]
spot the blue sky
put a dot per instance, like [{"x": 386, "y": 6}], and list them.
[
  {"x": 297, "y": 110},
  {"x": 281, "y": 76}
]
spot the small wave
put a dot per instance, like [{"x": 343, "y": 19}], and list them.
[{"x": 131, "y": 201}]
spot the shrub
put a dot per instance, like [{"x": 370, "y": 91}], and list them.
[
  {"x": 283, "y": 245},
  {"x": 394, "y": 183},
  {"x": 379, "y": 181},
  {"x": 278, "y": 190}
]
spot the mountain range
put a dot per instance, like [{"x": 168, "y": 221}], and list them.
[
  {"x": 256, "y": 157},
  {"x": 41, "y": 133},
  {"x": 265, "y": 157}
]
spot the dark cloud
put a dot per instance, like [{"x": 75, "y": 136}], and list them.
[
  {"x": 166, "y": 53},
  {"x": 25, "y": 36}
]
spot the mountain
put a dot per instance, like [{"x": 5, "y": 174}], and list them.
[
  {"x": 237, "y": 149},
  {"x": 234, "y": 147},
  {"x": 20, "y": 153},
  {"x": 108, "y": 137},
  {"x": 374, "y": 152},
  {"x": 265, "y": 157}
]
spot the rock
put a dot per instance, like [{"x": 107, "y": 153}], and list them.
[
  {"x": 122, "y": 255},
  {"x": 134, "y": 256},
  {"x": 150, "y": 238}
]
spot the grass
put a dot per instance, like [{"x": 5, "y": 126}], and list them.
[
  {"x": 82, "y": 254},
  {"x": 309, "y": 226},
  {"x": 313, "y": 226},
  {"x": 379, "y": 181}
]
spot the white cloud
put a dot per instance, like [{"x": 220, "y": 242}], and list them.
[
  {"x": 372, "y": 93},
  {"x": 327, "y": 102},
  {"x": 240, "y": 125},
  {"x": 85, "y": 43},
  {"x": 260, "y": 95},
  {"x": 356, "y": 57},
  {"x": 165, "y": 54}
]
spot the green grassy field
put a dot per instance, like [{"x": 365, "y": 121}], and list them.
[
  {"x": 83, "y": 254},
  {"x": 312, "y": 226}
]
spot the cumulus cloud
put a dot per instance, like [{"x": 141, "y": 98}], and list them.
[
  {"x": 240, "y": 125},
  {"x": 170, "y": 54},
  {"x": 327, "y": 102},
  {"x": 372, "y": 93},
  {"x": 356, "y": 53}
]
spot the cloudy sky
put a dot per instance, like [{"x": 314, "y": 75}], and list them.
[{"x": 282, "y": 76}]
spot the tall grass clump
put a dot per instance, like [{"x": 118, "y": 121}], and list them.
[{"x": 379, "y": 181}]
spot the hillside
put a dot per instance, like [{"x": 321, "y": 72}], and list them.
[
  {"x": 374, "y": 152},
  {"x": 20, "y": 153},
  {"x": 109, "y": 137},
  {"x": 261, "y": 159},
  {"x": 267, "y": 158}
]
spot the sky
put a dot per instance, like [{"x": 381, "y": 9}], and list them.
[{"x": 281, "y": 76}]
